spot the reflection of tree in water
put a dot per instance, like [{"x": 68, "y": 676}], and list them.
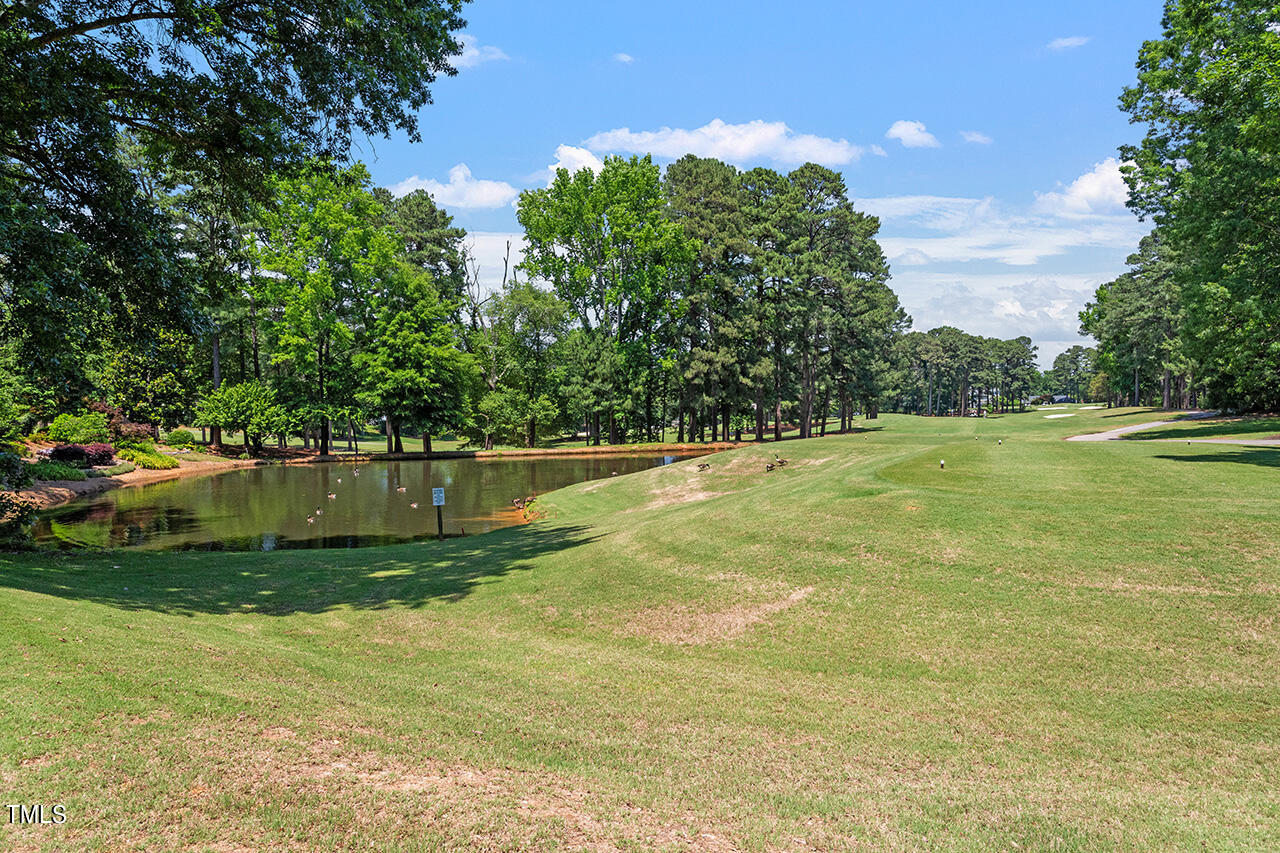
[{"x": 266, "y": 507}]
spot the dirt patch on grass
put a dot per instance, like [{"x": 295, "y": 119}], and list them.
[
  {"x": 681, "y": 625},
  {"x": 688, "y": 491}
]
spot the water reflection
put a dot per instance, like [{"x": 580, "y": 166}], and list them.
[{"x": 336, "y": 505}]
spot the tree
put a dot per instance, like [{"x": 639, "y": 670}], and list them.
[
  {"x": 1208, "y": 172},
  {"x": 328, "y": 258},
  {"x": 230, "y": 90},
  {"x": 412, "y": 368},
  {"x": 605, "y": 245},
  {"x": 250, "y": 407}
]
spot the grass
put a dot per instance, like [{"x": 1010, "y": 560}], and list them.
[
  {"x": 1047, "y": 645},
  {"x": 1237, "y": 428}
]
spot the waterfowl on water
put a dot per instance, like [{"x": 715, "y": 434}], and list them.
[
  {"x": 339, "y": 479},
  {"x": 311, "y": 519},
  {"x": 319, "y": 511},
  {"x": 401, "y": 489},
  {"x": 413, "y": 505},
  {"x": 332, "y": 496}
]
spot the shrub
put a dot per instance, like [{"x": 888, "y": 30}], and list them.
[
  {"x": 54, "y": 471},
  {"x": 13, "y": 472},
  {"x": 16, "y": 515},
  {"x": 70, "y": 454},
  {"x": 113, "y": 471},
  {"x": 147, "y": 459},
  {"x": 100, "y": 453},
  {"x": 80, "y": 429},
  {"x": 120, "y": 427},
  {"x": 180, "y": 438}
]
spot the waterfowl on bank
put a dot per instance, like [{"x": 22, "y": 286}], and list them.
[
  {"x": 777, "y": 460},
  {"x": 702, "y": 466},
  {"x": 769, "y": 466}
]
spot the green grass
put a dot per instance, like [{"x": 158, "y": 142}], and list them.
[
  {"x": 1237, "y": 428},
  {"x": 1047, "y": 646}
]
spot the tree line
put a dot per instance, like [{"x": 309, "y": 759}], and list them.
[{"x": 1194, "y": 320}]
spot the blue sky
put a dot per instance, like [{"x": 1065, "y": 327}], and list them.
[{"x": 983, "y": 134}]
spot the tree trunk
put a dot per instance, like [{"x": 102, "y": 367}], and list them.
[
  {"x": 390, "y": 437},
  {"x": 426, "y": 442},
  {"x": 395, "y": 431},
  {"x": 215, "y": 432},
  {"x": 680, "y": 429},
  {"x": 1165, "y": 389},
  {"x": 355, "y": 436}
]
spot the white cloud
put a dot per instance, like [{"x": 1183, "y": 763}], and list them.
[
  {"x": 1068, "y": 42},
  {"x": 736, "y": 143},
  {"x": 488, "y": 249},
  {"x": 461, "y": 191},
  {"x": 570, "y": 157},
  {"x": 912, "y": 134},
  {"x": 1101, "y": 190},
  {"x": 976, "y": 137},
  {"x": 474, "y": 53},
  {"x": 624, "y": 58},
  {"x": 1045, "y": 306}
]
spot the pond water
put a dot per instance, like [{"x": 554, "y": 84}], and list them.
[{"x": 288, "y": 506}]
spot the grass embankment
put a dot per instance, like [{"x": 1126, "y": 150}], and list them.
[{"x": 1047, "y": 644}]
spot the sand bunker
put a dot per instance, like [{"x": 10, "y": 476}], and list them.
[{"x": 1068, "y": 415}]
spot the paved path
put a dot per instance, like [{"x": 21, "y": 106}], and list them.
[{"x": 1113, "y": 434}]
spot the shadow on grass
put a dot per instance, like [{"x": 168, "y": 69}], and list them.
[
  {"x": 282, "y": 583},
  {"x": 1265, "y": 457},
  {"x": 1257, "y": 427}
]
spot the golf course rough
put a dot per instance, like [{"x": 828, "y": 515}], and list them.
[{"x": 1043, "y": 645}]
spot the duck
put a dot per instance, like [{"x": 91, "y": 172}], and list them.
[
  {"x": 311, "y": 519},
  {"x": 319, "y": 511},
  {"x": 339, "y": 480},
  {"x": 355, "y": 473},
  {"x": 401, "y": 489},
  {"x": 332, "y": 496},
  {"x": 413, "y": 505}
]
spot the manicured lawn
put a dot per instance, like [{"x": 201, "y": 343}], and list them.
[
  {"x": 1046, "y": 646},
  {"x": 1241, "y": 428}
]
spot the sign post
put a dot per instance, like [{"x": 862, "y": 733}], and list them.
[{"x": 437, "y": 500}]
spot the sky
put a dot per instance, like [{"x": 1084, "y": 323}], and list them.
[{"x": 983, "y": 134}]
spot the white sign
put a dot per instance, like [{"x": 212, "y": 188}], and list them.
[{"x": 437, "y": 497}]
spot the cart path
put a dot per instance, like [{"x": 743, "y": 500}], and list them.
[{"x": 1112, "y": 434}]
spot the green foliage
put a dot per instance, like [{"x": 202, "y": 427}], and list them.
[
  {"x": 87, "y": 428},
  {"x": 114, "y": 471},
  {"x": 48, "y": 470},
  {"x": 149, "y": 460},
  {"x": 87, "y": 247},
  {"x": 1207, "y": 172},
  {"x": 16, "y": 516},
  {"x": 180, "y": 438},
  {"x": 250, "y": 407},
  {"x": 14, "y": 473}
]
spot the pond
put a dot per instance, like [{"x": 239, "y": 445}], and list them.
[{"x": 289, "y": 506}]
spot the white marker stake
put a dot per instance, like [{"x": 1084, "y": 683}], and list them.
[{"x": 942, "y": 463}]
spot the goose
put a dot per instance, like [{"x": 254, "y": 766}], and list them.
[
  {"x": 778, "y": 460},
  {"x": 702, "y": 466},
  {"x": 769, "y": 466}
]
